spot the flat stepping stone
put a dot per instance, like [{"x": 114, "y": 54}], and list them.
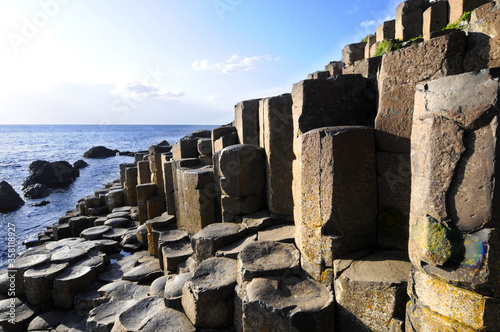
[
  {"x": 278, "y": 233},
  {"x": 232, "y": 250},
  {"x": 139, "y": 314},
  {"x": 122, "y": 209},
  {"x": 172, "y": 236},
  {"x": 103, "y": 317},
  {"x": 157, "y": 287},
  {"x": 68, "y": 283},
  {"x": 89, "y": 298},
  {"x": 73, "y": 322},
  {"x": 168, "y": 320},
  {"x": 122, "y": 214},
  {"x": 88, "y": 246},
  {"x": 100, "y": 221},
  {"x": 98, "y": 210},
  {"x": 122, "y": 290},
  {"x": 148, "y": 271},
  {"x": 268, "y": 303},
  {"x": 257, "y": 221},
  {"x": 175, "y": 253},
  {"x": 108, "y": 245},
  {"x": 68, "y": 242},
  {"x": 38, "y": 282},
  {"x": 24, "y": 312},
  {"x": 213, "y": 237},
  {"x": 207, "y": 298},
  {"x": 117, "y": 222},
  {"x": 94, "y": 233},
  {"x": 172, "y": 292},
  {"x": 46, "y": 321},
  {"x": 97, "y": 261},
  {"x": 115, "y": 234},
  {"x": 22, "y": 264},
  {"x": 259, "y": 259},
  {"x": 160, "y": 222},
  {"x": 69, "y": 255}
]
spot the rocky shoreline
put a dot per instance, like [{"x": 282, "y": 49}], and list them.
[{"x": 364, "y": 200}]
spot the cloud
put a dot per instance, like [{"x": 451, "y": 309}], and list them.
[
  {"x": 142, "y": 91},
  {"x": 216, "y": 98},
  {"x": 353, "y": 10},
  {"x": 367, "y": 23},
  {"x": 233, "y": 64}
]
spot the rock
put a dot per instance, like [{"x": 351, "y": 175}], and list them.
[
  {"x": 103, "y": 317},
  {"x": 89, "y": 298},
  {"x": 58, "y": 174},
  {"x": 409, "y": 18},
  {"x": 100, "y": 152},
  {"x": 123, "y": 291},
  {"x": 16, "y": 310},
  {"x": 435, "y": 18},
  {"x": 115, "y": 234},
  {"x": 144, "y": 193},
  {"x": 147, "y": 271},
  {"x": 79, "y": 164},
  {"x": 73, "y": 321},
  {"x": 175, "y": 253},
  {"x": 46, "y": 321},
  {"x": 38, "y": 282},
  {"x": 173, "y": 289},
  {"x": 70, "y": 255},
  {"x": 185, "y": 148},
  {"x": 353, "y": 52},
  {"x": 454, "y": 214},
  {"x": 276, "y": 137},
  {"x": 288, "y": 303},
  {"x": 94, "y": 233},
  {"x": 257, "y": 221},
  {"x": 336, "y": 206},
  {"x": 79, "y": 224},
  {"x": 278, "y": 233},
  {"x": 260, "y": 259},
  {"x": 22, "y": 264},
  {"x": 371, "y": 290},
  {"x": 207, "y": 298},
  {"x": 9, "y": 198},
  {"x": 386, "y": 31},
  {"x": 36, "y": 166},
  {"x": 117, "y": 222},
  {"x": 458, "y": 7},
  {"x": 206, "y": 242},
  {"x": 168, "y": 320},
  {"x": 68, "y": 283},
  {"x": 115, "y": 198},
  {"x": 232, "y": 250},
  {"x": 158, "y": 287},
  {"x": 119, "y": 214},
  {"x": 246, "y": 121},
  {"x": 142, "y": 235},
  {"x": 136, "y": 316},
  {"x": 205, "y": 146},
  {"x": 36, "y": 191},
  {"x": 42, "y": 203}
]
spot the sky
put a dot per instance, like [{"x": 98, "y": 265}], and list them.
[{"x": 165, "y": 61}]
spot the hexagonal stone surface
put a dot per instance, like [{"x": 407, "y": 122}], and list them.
[
  {"x": 211, "y": 238},
  {"x": 102, "y": 318},
  {"x": 94, "y": 233},
  {"x": 22, "y": 314},
  {"x": 38, "y": 282},
  {"x": 68, "y": 283},
  {"x": 23, "y": 264},
  {"x": 46, "y": 321},
  {"x": 135, "y": 317},
  {"x": 278, "y": 233},
  {"x": 173, "y": 289},
  {"x": 69, "y": 255},
  {"x": 117, "y": 222},
  {"x": 147, "y": 271},
  {"x": 175, "y": 253}
]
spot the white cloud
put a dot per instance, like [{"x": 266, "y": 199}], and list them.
[
  {"x": 367, "y": 23},
  {"x": 139, "y": 91},
  {"x": 216, "y": 98},
  {"x": 234, "y": 63}
]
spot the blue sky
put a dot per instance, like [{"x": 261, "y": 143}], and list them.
[{"x": 165, "y": 61}]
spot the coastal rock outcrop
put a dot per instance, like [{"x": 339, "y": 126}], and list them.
[
  {"x": 100, "y": 152},
  {"x": 80, "y": 164},
  {"x": 9, "y": 198},
  {"x": 56, "y": 174},
  {"x": 36, "y": 190}
]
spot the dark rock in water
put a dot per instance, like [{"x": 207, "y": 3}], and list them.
[
  {"x": 80, "y": 164},
  {"x": 37, "y": 165},
  {"x": 42, "y": 203},
  {"x": 126, "y": 153},
  {"x": 100, "y": 152},
  {"x": 36, "y": 190},
  {"x": 9, "y": 198},
  {"x": 57, "y": 174}
]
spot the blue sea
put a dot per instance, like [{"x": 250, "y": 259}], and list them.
[{"x": 22, "y": 144}]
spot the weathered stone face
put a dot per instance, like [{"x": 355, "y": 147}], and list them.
[
  {"x": 454, "y": 196},
  {"x": 435, "y": 17},
  {"x": 402, "y": 70},
  {"x": 458, "y": 7},
  {"x": 337, "y": 195},
  {"x": 483, "y": 43},
  {"x": 386, "y": 31},
  {"x": 371, "y": 40},
  {"x": 409, "y": 18},
  {"x": 246, "y": 121},
  {"x": 276, "y": 137},
  {"x": 143, "y": 172},
  {"x": 185, "y": 148},
  {"x": 353, "y": 52},
  {"x": 371, "y": 290}
]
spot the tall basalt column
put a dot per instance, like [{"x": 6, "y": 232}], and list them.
[
  {"x": 276, "y": 137},
  {"x": 130, "y": 186},
  {"x": 338, "y": 195},
  {"x": 145, "y": 192},
  {"x": 246, "y": 121},
  {"x": 338, "y": 101},
  {"x": 409, "y": 19},
  {"x": 455, "y": 211},
  {"x": 143, "y": 172}
]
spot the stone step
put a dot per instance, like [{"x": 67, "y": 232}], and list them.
[
  {"x": 69, "y": 282},
  {"x": 38, "y": 282},
  {"x": 23, "y": 314},
  {"x": 175, "y": 253},
  {"x": 172, "y": 292},
  {"x": 103, "y": 317},
  {"x": 95, "y": 232},
  {"x": 278, "y": 233}
]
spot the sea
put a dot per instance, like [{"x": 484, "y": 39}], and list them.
[{"x": 22, "y": 144}]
